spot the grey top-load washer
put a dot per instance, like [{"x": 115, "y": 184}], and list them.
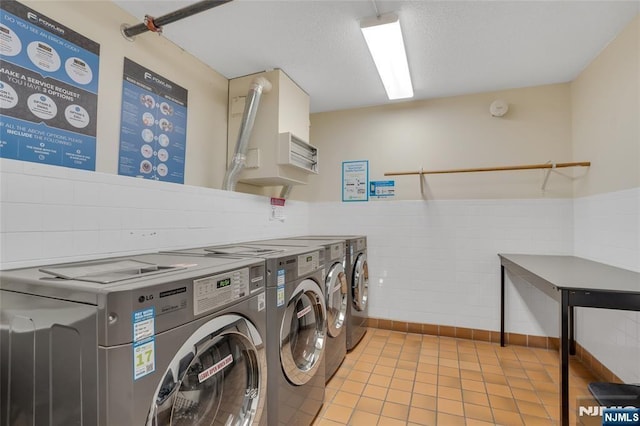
[
  {"x": 358, "y": 277},
  {"x": 143, "y": 340},
  {"x": 336, "y": 295},
  {"x": 296, "y": 327}
]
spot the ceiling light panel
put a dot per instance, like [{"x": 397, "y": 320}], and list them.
[{"x": 383, "y": 35}]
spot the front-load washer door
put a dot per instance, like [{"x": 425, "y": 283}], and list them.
[
  {"x": 216, "y": 378},
  {"x": 337, "y": 291},
  {"x": 303, "y": 333},
  {"x": 360, "y": 285}
]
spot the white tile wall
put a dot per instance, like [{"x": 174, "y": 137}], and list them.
[
  {"x": 436, "y": 261},
  {"x": 430, "y": 261},
  {"x": 52, "y": 214},
  {"x": 607, "y": 229}
]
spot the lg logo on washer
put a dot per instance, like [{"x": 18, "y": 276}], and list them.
[{"x": 145, "y": 298}]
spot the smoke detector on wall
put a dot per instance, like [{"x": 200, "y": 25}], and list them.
[{"x": 498, "y": 108}]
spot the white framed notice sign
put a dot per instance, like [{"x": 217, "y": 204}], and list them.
[{"x": 355, "y": 180}]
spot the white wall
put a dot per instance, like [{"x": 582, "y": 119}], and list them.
[
  {"x": 436, "y": 261},
  {"x": 607, "y": 229},
  {"x": 53, "y": 214},
  {"x": 605, "y": 101},
  {"x": 436, "y": 258},
  {"x": 433, "y": 253},
  {"x": 432, "y": 260}
]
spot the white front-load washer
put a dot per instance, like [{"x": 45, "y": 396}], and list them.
[{"x": 151, "y": 339}]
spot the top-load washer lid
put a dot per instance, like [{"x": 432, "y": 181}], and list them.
[
  {"x": 328, "y": 243},
  {"x": 92, "y": 281},
  {"x": 329, "y": 237},
  {"x": 106, "y": 272},
  {"x": 243, "y": 250}
]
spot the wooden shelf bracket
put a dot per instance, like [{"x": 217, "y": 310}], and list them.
[{"x": 546, "y": 176}]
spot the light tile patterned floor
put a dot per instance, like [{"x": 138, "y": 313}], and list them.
[{"x": 394, "y": 378}]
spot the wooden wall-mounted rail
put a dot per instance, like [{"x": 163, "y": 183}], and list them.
[{"x": 494, "y": 169}]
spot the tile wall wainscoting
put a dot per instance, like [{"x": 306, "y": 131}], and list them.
[
  {"x": 54, "y": 214},
  {"x": 431, "y": 262},
  {"x": 607, "y": 229},
  {"x": 435, "y": 262}
]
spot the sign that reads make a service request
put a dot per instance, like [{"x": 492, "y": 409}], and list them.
[
  {"x": 153, "y": 133},
  {"x": 48, "y": 90}
]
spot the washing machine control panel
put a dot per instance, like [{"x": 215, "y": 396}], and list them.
[
  {"x": 212, "y": 292},
  {"x": 336, "y": 251},
  {"x": 308, "y": 263}
]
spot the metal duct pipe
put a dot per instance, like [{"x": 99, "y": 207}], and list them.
[
  {"x": 286, "y": 190},
  {"x": 258, "y": 85},
  {"x": 155, "y": 24}
]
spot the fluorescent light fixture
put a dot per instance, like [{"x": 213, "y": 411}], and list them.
[{"x": 384, "y": 38}]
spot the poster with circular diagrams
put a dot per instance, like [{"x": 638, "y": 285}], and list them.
[
  {"x": 153, "y": 131},
  {"x": 48, "y": 90}
]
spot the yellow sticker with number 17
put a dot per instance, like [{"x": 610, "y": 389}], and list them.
[{"x": 144, "y": 360}]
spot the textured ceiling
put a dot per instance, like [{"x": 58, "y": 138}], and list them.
[{"x": 454, "y": 47}]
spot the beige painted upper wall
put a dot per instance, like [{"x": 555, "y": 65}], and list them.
[
  {"x": 596, "y": 117},
  {"x": 605, "y": 100},
  {"x": 206, "y": 148},
  {"x": 456, "y": 132}
]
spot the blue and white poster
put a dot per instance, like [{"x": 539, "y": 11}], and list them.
[
  {"x": 48, "y": 90},
  {"x": 153, "y": 132},
  {"x": 382, "y": 188},
  {"x": 355, "y": 180}
]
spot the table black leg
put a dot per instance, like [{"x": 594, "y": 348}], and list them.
[
  {"x": 564, "y": 358},
  {"x": 572, "y": 335},
  {"x": 501, "y": 305}
]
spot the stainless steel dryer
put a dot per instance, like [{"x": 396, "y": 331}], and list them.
[
  {"x": 358, "y": 278},
  {"x": 150, "y": 339},
  {"x": 336, "y": 296},
  {"x": 296, "y": 327}
]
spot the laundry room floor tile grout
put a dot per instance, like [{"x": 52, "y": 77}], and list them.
[{"x": 395, "y": 378}]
